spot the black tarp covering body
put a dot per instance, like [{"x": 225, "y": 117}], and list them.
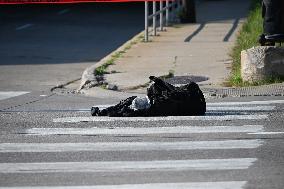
[{"x": 165, "y": 100}]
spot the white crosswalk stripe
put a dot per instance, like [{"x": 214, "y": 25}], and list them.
[
  {"x": 144, "y": 130},
  {"x": 191, "y": 185},
  {"x": 10, "y": 94},
  {"x": 153, "y": 119},
  {"x": 240, "y": 108},
  {"x": 129, "y": 166},
  {"x": 211, "y": 108},
  {"x": 267, "y": 133},
  {"x": 129, "y": 146},
  {"x": 264, "y": 102}
]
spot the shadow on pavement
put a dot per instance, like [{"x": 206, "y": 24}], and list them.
[{"x": 58, "y": 34}]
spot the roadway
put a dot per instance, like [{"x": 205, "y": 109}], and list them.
[
  {"x": 42, "y": 46},
  {"x": 52, "y": 141},
  {"x": 49, "y": 140}
]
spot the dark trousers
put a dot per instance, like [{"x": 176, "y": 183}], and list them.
[{"x": 273, "y": 16}]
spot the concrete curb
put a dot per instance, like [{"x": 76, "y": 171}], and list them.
[{"x": 89, "y": 76}]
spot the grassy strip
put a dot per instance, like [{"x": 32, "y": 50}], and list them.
[
  {"x": 101, "y": 70},
  {"x": 248, "y": 37}
]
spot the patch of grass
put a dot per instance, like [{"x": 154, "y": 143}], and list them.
[
  {"x": 268, "y": 80},
  {"x": 101, "y": 70},
  {"x": 247, "y": 38}
]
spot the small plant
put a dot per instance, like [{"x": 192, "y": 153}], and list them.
[
  {"x": 247, "y": 38},
  {"x": 268, "y": 80},
  {"x": 101, "y": 70}
]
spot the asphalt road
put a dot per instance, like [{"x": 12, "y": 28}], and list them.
[
  {"x": 42, "y": 46},
  {"x": 50, "y": 140}
]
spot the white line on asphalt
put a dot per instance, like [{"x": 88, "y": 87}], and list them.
[
  {"x": 266, "y": 133},
  {"x": 211, "y": 108},
  {"x": 181, "y": 185},
  {"x": 24, "y": 26},
  {"x": 144, "y": 130},
  {"x": 169, "y": 118},
  {"x": 245, "y": 103},
  {"x": 129, "y": 146},
  {"x": 128, "y": 166},
  {"x": 63, "y": 11},
  {"x": 10, "y": 94},
  {"x": 240, "y": 108}
]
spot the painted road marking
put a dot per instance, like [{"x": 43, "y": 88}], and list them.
[
  {"x": 128, "y": 166},
  {"x": 267, "y": 133},
  {"x": 245, "y": 103},
  {"x": 145, "y": 130},
  {"x": 63, "y": 11},
  {"x": 169, "y": 118},
  {"x": 208, "y": 109},
  {"x": 129, "y": 146},
  {"x": 240, "y": 108},
  {"x": 181, "y": 185},
  {"x": 10, "y": 94},
  {"x": 24, "y": 26},
  {"x": 211, "y": 108}
]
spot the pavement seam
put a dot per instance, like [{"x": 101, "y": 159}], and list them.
[
  {"x": 29, "y": 102},
  {"x": 65, "y": 84}
]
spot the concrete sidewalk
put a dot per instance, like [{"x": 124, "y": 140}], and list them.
[{"x": 186, "y": 49}]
